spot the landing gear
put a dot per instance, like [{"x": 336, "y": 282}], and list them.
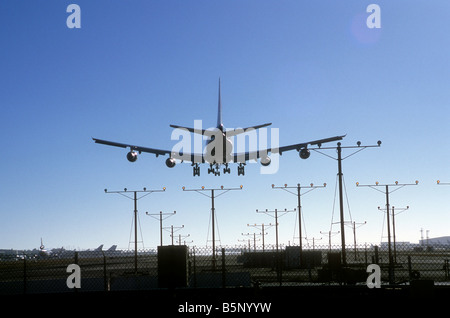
[
  {"x": 241, "y": 170},
  {"x": 196, "y": 169},
  {"x": 214, "y": 169}
]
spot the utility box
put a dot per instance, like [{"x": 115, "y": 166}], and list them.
[
  {"x": 172, "y": 266},
  {"x": 334, "y": 260},
  {"x": 310, "y": 258}
]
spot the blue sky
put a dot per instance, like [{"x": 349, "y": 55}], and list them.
[{"x": 313, "y": 69}]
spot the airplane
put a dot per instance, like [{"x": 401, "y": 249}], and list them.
[
  {"x": 43, "y": 251},
  {"x": 221, "y": 136}
]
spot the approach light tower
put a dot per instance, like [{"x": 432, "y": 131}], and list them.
[
  {"x": 310, "y": 188},
  {"x": 261, "y": 228},
  {"x": 135, "y": 198},
  {"x": 340, "y": 174},
  {"x": 275, "y": 216},
  {"x": 396, "y": 186},
  {"x": 162, "y": 217},
  {"x": 213, "y": 196},
  {"x": 400, "y": 210}
]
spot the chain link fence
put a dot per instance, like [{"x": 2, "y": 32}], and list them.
[{"x": 200, "y": 267}]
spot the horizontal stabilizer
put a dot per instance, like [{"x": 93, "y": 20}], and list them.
[
  {"x": 204, "y": 132},
  {"x": 234, "y": 132}
]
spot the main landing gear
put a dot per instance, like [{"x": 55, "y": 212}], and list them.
[
  {"x": 196, "y": 169},
  {"x": 214, "y": 168},
  {"x": 241, "y": 170}
]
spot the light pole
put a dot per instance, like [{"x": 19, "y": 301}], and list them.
[
  {"x": 172, "y": 229},
  {"x": 330, "y": 234},
  {"x": 311, "y": 187},
  {"x": 278, "y": 258},
  {"x": 400, "y": 210},
  {"x": 135, "y": 198},
  {"x": 393, "y": 226},
  {"x": 340, "y": 174},
  {"x": 276, "y": 219},
  {"x": 261, "y": 227},
  {"x": 182, "y": 237},
  {"x": 213, "y": 196},
  {"x": 313, "y": 240},
  {"x": 354, "y": 233},
  {"x": 254, "y": 239},
  {"x": 396, "y": 186},
  {"x": 161, "y": 218}
]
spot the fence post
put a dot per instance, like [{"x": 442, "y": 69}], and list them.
[
  {"x": 195, "y": 268},
  {"x": 279, "y": 268},
  {"x": 75, "y": 262},
  {"x": 24, "y": 275},
  {"x": 409, "y": 267},
  {"x": 105, "y": 277},
  {"x": 377, "y": 260},
  {"x": 446, "y": 269},
  {"x": 224, "y": 283},
  {"x": 365, "y": 254}
]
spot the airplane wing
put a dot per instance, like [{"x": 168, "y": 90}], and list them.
[
  {"x": 191, "y": 157},
  {"x": 252, "y": 155},
  {"x": 157, "y": 152},
  {"x": 312, "y": 143}
]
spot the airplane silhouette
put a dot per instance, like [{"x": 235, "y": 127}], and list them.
[{"x": 219, "y": 148}]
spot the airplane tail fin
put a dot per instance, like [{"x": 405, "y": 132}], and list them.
[
  {"x": 205, "y": 131},
  {"x": 112, "y": 248},
  {"x": 219, "y": 112},
  {"x": 230, "y": 133}
]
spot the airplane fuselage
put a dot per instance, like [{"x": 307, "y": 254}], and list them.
[{"x": 219, "y": 148}]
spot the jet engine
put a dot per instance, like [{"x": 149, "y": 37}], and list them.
[
  {"x": 132, "y": 156},
  {"x": 265, "y": 161},
  {"x": 170, "y": 162},
  {"x": 304, "y": 153}
]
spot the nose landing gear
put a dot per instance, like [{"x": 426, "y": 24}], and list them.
[{"x": 214, "y": 169}]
